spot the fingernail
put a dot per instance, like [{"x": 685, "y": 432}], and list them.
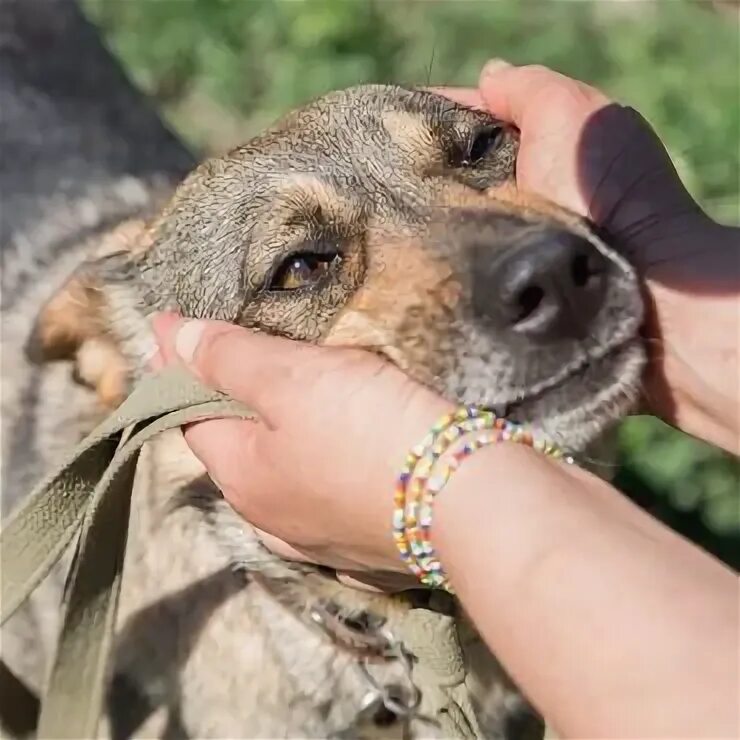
[
  {"x": 492, "y": 66},
  {"x": 187, "y": 339}
]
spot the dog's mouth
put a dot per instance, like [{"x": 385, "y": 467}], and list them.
[{"x": 575, "y": 409}]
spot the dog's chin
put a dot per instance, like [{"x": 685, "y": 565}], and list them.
[{"x": 578, "y": 412}]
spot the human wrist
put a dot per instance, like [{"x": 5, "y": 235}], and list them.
[
  {"x": 496, "y": 494},
  {"x": 465, "y": 496},
  {"x": 428, "y": 468},
  {"x": 692, "y": 299},
  {"x": 413, "y": 421}
]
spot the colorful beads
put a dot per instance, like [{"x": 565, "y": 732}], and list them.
[{"x": 427, "y": 469}]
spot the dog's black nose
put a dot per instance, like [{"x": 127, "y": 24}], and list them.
[{"x": 549, "y": 287}]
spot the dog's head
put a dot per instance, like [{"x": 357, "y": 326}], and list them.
[{"x": 385, "y": 218}]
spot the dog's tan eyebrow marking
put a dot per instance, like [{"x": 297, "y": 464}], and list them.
[
  {"x": 308, "y": 200},
  {"x": 409, "y": 132}
]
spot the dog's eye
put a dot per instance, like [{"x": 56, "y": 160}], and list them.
[
  {"x": 485, "y": 141},
  {"x": 303, "y": 270}
]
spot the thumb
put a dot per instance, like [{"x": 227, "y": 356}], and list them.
[
  {"x": 251, "y": 367},
  {"x": 512, "y": 93},
  {"x": 507, "y": 90},
  {"x": 496, "y": 89}
]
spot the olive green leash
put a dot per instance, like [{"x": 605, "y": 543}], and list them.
[{"x": 88, "y": 498}]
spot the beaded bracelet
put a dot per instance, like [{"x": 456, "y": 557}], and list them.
[{"x": 424, "y": 474}]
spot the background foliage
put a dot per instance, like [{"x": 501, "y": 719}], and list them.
[{"x": 222, "y": 69}]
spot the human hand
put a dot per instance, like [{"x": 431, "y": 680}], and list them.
[
  {"x": 604, "y": 162},
  {"x": 317, "y": 471},
  {"x": 587, "y": 153}
]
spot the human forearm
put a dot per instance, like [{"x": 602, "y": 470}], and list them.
[{"x": 614, "y": 625}]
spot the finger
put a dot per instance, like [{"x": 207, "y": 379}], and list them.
[
  {"x": 348, "y": 580},
  {"x": 281, "y": 548},
  {"x": 511, "y": 93},
  {"x": 470, "y": 97},
  {"x": 507, "y": 90},
  {"x": 165, "y": 320},
  {"x": 163, "y": 325},
  {"x": 251, "y": 367},
  {"x": 226, "y": 449}
]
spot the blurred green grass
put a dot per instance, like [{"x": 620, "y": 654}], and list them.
[{"x": 223, "y": 69}]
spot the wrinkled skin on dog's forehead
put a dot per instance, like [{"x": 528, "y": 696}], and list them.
[
  {"x": 354, "y": 221},
  {"x": 368, "y": 157}
]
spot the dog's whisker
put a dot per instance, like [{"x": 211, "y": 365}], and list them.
[{"x": 431, "y": 64}]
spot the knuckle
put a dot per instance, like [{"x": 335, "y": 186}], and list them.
[
  {"x": 538, "y": 70},
  {"x": 557, "y": 84}
]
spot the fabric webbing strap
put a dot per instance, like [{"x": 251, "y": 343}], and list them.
[{"x": 89, "y": 497}]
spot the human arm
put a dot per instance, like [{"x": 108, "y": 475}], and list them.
[{"x": 612, "y": 624}]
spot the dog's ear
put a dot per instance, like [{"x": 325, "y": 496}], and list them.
[{"x": 74, "y": 323}]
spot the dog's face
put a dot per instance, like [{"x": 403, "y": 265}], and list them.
[{"x": 385, "y": 218}]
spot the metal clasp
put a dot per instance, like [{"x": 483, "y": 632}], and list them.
[
  {"x": 371, "y": 643},
  {"x": 401, "y": 700}
]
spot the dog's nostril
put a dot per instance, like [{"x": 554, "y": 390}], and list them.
[
  {"x": 580, "y": 270},
  {"x": 585, "y": 268},
  {"x": 529, "y": 301},
  {"x": 550, "y": 285}
]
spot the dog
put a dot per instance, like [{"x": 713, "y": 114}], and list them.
[{"x": 377, "y": 217}]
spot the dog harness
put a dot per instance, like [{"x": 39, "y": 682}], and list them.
[{"x": 88, "y": 499}]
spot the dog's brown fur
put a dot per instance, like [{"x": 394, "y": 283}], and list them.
[{"x": 378, "y": 174}]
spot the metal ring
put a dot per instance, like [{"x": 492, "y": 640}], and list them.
[
  {"x": 399, "y": 706},
  {"x": 383, "y": 644},
  {"x": 363, "y": 644}
]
